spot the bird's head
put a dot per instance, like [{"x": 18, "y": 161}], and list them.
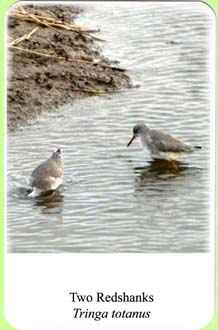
[{"x": 138, "y": 130}]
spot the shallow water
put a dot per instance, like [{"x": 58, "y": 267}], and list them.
[{"x": 114, "y": 198}]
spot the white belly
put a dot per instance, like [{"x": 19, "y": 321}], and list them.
[{"x": 167, "y": 155}]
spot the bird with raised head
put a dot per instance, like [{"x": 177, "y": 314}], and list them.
[{"x": 47, "y": 176}]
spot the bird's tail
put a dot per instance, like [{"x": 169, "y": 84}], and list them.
[{"x": 197, "y": 147}]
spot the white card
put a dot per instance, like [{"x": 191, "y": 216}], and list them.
[{"x": 101, "y": 235}]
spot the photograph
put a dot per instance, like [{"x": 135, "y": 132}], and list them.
[{"x": 110, "y": 127}]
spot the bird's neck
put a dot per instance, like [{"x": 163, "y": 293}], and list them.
[{"x": 144, "y": 137}]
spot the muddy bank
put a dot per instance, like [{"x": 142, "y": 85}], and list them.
[{"x": 51, "y": 62}]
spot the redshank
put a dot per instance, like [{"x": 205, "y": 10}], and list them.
[
  {"x": 48, "y": 175},
  {"x": 160, "y": 145}
]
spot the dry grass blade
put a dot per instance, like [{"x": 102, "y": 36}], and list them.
[
  {"x": 36, "y": 19},
  {"x": 85, "y": 90},
  {"x": 64, "y": 58},
  {"x": 57, "y": 21},
  {"x": 50, "y": 55},
  {"x": 89, "y": 91},
  {"x": 52, "y": 23},
  {"x": 24, "y": 37},
  {"x": 80, "y": 90},
  {"x": 40, "y": 22}
]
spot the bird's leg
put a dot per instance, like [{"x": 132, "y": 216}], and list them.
[{"x": 173, "y": 163}]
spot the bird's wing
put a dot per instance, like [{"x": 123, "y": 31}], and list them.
[
  {"x": 167, "y": 143},
  {"x": 48, "y": 183}
]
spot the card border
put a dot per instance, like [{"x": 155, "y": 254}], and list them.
[{"x": 4, "y": 6}]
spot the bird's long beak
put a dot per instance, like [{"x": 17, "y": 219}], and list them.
[{"x": 132, "y": 139}]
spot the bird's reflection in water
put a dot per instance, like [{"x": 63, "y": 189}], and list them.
[
  {"x": 50, "y": 202},
  {"x": 158, "y": 173},
  {"x": 160, "y": 167}
]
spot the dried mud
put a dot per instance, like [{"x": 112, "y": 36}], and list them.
[{"x": 75, "y": 66}]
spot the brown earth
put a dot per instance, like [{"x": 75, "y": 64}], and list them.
[{"x": 52, "y": 62}]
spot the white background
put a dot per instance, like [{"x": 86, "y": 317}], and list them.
[{"x": 38, "y": 286}]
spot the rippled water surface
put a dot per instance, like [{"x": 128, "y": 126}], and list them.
[{"x": 114, "y": 198}]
